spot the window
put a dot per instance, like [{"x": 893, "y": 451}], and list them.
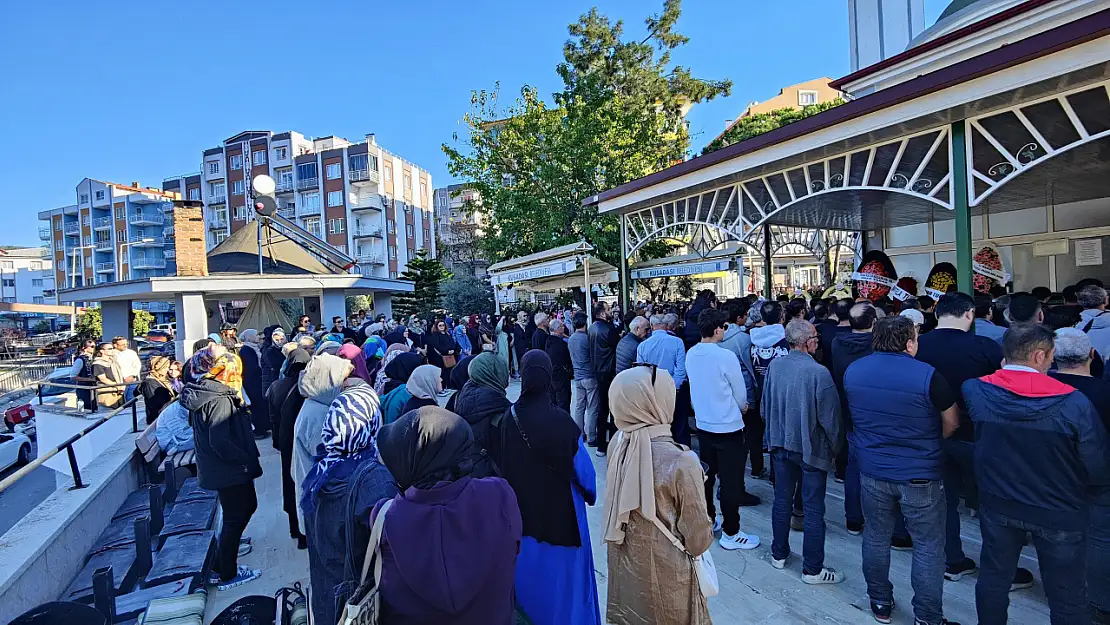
[
  {"x": 805, "y": 98},
  {"x": 9, "y": 300},
  {"x": 36, "y": 281},
  {"x": 237, "y": 187},
  {"x": 427, "y": 234},
  {"x": 280, "y": 154},
  {"x": 335, "y": 198},
  {"x": 373, "y": 161},
  {"x": 85, "y": 219},
  {"x": 121, "y": 212},
  {"x": 58, "y": 224},
  {"x": 312, "y": 224},
  {"x": 342, "y": 248},
  {"x": 306, "y": 171},
  {"x": 408, "y": 231},
  {"x": 336, "y": 226},
  {"x": 213, "y": 167},
  {"x": 121, "y": 235},
  {"x": 100, "y": 195},
  {"x": 36, "y": 265},
  {"x": 393, "y": 274},
  {"x": 236, "y": 161},
  {"x": 333, "y": 171},
  {"x": 392, "y": 252},
  {"x": 407, "y": 182},
  {"x": 311, "y": 202},
  {"x": 217, "y": 190},
  {"x": 412, "y": 252},
  {"x": 389, "y": 226},
  {"x": 194, "y": 193},
  {"x": 220, "y": 236},
  {"x": 285, "y": 178},
  {"x": 84, "y": 198},
  {"x": 389, "y": 173},
  {"x": 407, "y": 206},
  {"x": 357, "y": 162},
  {"x": 240, "y": 213},
  {"x": 38, "y": 299},
  {"x": 259, "y": 157},
  {"x": 423, "y": 189},
  {"x": 9, "y": 282}
]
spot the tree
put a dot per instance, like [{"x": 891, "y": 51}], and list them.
[
  {"x": 89, "y": 324},
  {"x": 656, "y": 287},
  {"x": 467, "y": 296},
  {"x": 427, "y": 276},
  {"x": 685, "y": 287},
  {"x": 141, "y": 321},
  {"x": 41, "y": 327},
  {"x": 356, "y": 303},
  {"x": 753, "y": 125},
  {"x": 618, "y": 117}
]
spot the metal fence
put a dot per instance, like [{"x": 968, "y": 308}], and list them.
[{"x": 20, "y": 373}]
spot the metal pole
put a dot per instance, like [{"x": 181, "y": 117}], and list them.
[
  {"x": 259, "y": 246},
  {"x": 961, "y": 208},
  {"x": 622, "y": 272},
  {"x": 134, "y": 416},
  {"x": 586, "y": 276},
  {"x": 767, "y": 270},
  {"x": 73, "y": 467}
]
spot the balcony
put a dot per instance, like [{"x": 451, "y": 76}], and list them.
[
  {"x": 305, "y": 184},
  {"x": 148, "y": 262},
  {"x": 108, "y": 267},
  {"x": 146, "y": 198},
  {"x": 44, "y": 234},
  {"x": 370, "y": 258},
  {"x": 72, "y": 227},
  {"x": 363, "y": 232},
  {"x": 288, "y": 212},
  {"x": 217, "y": 199},
  {"x": 370, "y": 202},
  {"x": 217, "y": 222},
  {"x": 171, "y": 253},
  {"x": 46, "y": 252},
  {"x": 139, "y": 240},
  {"x": 284, "y": 186},
  {"x": 146, "y": 218},
  {"x": 74, "y": 251},
  {"x": 168, "y": 231},
  {"x": 103, "y": 246},
  {"x": 49, "y": 292},
  {"x": 102, "y": 223},
  {"x": 364, "y": 176}
]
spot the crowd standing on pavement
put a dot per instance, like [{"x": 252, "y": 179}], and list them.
[{"x": 996, "y": 404}]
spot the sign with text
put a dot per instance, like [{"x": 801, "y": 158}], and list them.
[
  {"x": 537, "y": 272},
  {"x": 688, "y": 269}
]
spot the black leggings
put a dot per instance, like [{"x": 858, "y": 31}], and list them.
[{"x": 238, "y": 504}]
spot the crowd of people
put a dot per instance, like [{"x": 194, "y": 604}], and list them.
[{"x": 915, "y": 406}]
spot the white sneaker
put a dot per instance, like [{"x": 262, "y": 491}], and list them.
[
  {"x": 717, "y": 524},
  {"x": 739, "y": 541},
  {"x": 778, "y": 564},
  {"x": 824, "y": 576}
]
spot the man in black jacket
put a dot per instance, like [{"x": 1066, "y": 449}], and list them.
[
  {"x": 691, "y": 336},
  {"x": 561, "y": 367},
  {"x": 638, "y": 329},
  {"x": 603, "y": 359},
  {"x": 539, "y": 335},
  {"x": 846, "y": 349}
]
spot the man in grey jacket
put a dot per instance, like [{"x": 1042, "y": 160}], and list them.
[
  {"x": 638, "y": 329},
  {"x": 804, "y": 434},
  {"x": 1094, "y": 320}
]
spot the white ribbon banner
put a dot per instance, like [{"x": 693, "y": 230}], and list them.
[
  {"x": 687, "y": 269},
  {"x": 933, "y": 293},
  {"x": 994, "y": 274},
  {"x": 896, "y": 291},
  {"x": 557, "y": 268}
]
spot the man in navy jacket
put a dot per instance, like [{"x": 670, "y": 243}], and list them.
[{"x": 1039, "y": 448}]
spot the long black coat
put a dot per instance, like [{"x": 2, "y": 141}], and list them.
[
  {"x": 561, "y": 371},
  {"x": 225, "y": 449},
  {"x": 480, "y": 405},
  {"x": 253, "y": 387}
]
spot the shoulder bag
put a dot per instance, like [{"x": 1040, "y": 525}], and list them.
[
  {"x": 364, "y": 606},
  {"x": 704, "y": 567}
]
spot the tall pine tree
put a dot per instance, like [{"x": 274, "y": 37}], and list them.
[{"x": 427, "y": 276}]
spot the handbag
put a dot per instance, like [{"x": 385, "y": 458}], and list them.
[
  {"x": 449, "y": 361},
  {"x": 364, "y": 606},
  {"x": 704, "y": 567}
]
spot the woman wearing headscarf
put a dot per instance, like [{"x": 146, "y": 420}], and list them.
[
  {"x": 319, "y": 385},
  {"x": 226, "y": 456},
  {"x": 251, "y": 355},
  {"x": 482, "y": 402},
  {"x": 424, "y": 386},
  {"x": 382, "y": 378},
  {"x": 504, "y": 330},
  {"x": 351, "y": 423},
  {"x": 487, "y": 334},
  {"x": 156, "y": 389},
  {"x": 543, "y": 458},
  {"x": 285, "y": 403},
  {"x": 460, "y": 375},
  {"x": 397, "y": 394},
  {"x": 273, "y": 339},
  {"x": 373, "y": 350},
  {"x": 462, "y": 339},
  {"x": 105, "y": 371},
  {"x": 441, "y": 344},
  {"x": 353, "y": 353},
  {"x": 450, "y": 540},
  {"x": 417, "y": 335},
  {"x": 650, "y": 476},
  {"x": 399, "y": 335}
]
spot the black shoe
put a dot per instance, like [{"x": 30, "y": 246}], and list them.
[
  {"x": 748, "y": 499},
  {"x": 901, "y": 543},
  {"x": 959, "y": 571},
  {"x": 943, "y": 621},
  {"x": 855, "y": 529},
  {"x": 881, "y": 611},
  {"x": 302, "y": 542},
  {"x": 762, "y": 475},
  {"x": 1100, "y": 616},
  {"x": 261, "y": 435},
  {"x": 1023, "y": 578}
]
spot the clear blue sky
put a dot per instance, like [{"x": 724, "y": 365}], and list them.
[{"x": 129, "y": 90}]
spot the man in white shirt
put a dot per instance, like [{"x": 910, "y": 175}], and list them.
[
  {"x": 719, "y": 398},
  {"x": 129, "y": 366}
]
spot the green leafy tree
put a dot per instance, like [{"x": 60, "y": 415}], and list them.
[
  {"x": 355, "y": 303},
  {"x": 42, "y": 327},
  {"x": 754, "y": 125},
  {"x": 89, "y": 324},
  {"x": 685, "y": 287},
  {"x": 618, "y": 117},
  {"x": 467, "y": 296},
  {"x": 141, "y": 320},
  {"x": 427, "y": 276}
]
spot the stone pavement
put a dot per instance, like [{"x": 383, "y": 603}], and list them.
[{"x": 751, "y": 590}]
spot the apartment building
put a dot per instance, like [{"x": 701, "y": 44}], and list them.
[
  {"x": 810, "y": 92},
  {"x": 26, "y": 276},
  {"x": 459, "y": 230},
  {"x": 114, "y": 232},
  {"x": 357, "y": 196}
]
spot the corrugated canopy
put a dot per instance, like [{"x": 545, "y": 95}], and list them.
[{"x": 238, "y": 254}]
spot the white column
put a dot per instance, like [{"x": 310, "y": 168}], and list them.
[
  {"x": 192, "y": 323},
  {"x": 383, "y": 304},
  {"x": 116, "y": 319},
  {"x": 332, "y": 304}
]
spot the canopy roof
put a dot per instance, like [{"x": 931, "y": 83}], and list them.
[
  {"x": 238, "y": 254},
  {"x": 558, "y": 268}
]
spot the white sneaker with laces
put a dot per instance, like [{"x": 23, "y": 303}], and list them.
[
  {"x": 825, "y": 576},
  {"x": 739, "y": 541},
  {"x": 717, "y": 524},
  {"x": 243, "y": 575},
  {"x": 778, "y": 564}
]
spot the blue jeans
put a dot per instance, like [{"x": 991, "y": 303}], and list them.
[
  {"x": 129, "y": 392},
  {"x": 959, "y": 456},
  {"x": 790, "y": 471},
  {"x": 1098, "y": 558},
  {"x": 923, "y": 505},
  {"x": 1061, "y": 554},
  {"x": 853, "y": 509}
]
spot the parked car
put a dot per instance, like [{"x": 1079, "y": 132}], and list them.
[
  {"x": 15, "y": 450},
  {"x": 158, "y": 336},
  {"x": 170, "y": 327}
]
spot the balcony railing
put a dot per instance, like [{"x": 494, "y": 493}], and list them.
[
  {"x": 364, "y": 175},
  {"x": 171, "y": 253},
  {"x": 105, "y": 267},
  {"x": 46, "y": 252},
  {"x": 308, "y": 183},
  {"x": 217, "y": 223},
  {"x": 284, "y": 186},
  {"x": 44, "y": 234},
  {"x": 371, "y": 259},
  {"x": 140, "y": 240},
  {"x": 148, "y": 262},
  {"x": 168, "y": 231},
  {"x": 72, "y": 228},
  {"x": 367, "y": 231},
  {"x": 102, "y": 223},
  {"x": 217, "y": 199},
  {"x": 146, "y": 218},
  {"x": 49, "y": 292},
  {"x": 103, "y": 246},
  {"x": 370, "y": 202},
  {"x": 288, "y": 212}
]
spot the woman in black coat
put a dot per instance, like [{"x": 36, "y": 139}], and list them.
[
  {"x": 285, "y": 403},
  {"x": 440, "y": 344},
  {"x": 482, "y": 402},
  {"x": 251, "y": 355}
]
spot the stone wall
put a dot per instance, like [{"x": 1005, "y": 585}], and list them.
[{"x": 189, "y": 241}]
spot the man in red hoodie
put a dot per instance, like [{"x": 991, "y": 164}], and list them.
[{"x": 1040, "y": 448}]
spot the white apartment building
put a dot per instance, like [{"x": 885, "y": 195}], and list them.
[
  {"x": 459, "y": 230},
  {"x": 26, "y": 277},
  {"x": 360, "y": 198}
]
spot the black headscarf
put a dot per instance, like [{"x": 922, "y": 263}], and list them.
[
  {"x": 537, "y": 456},
  {"x": 396, "y": 336},
  {"x": 461, "y": 373},
  {"x": 426, "y": 446},
  {"x": 296, "y": 362},
  {"x": 400, "y": 368}
]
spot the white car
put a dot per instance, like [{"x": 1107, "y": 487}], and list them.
[{"x": 15, "y": 449}]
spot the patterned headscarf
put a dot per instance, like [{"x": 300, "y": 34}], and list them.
[
  {"x": 350, "y": 428},
  {"x": 226, "y": 368},
  {"x": 391, "y": 353}
]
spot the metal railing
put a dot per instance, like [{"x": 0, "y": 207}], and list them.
[
  {"x": 72, "y": 227},
  {"x": 364, "y": 175},
  {"x": 217, "y": 199},
  {"x": 19, "y": 373},
  {"x": 45, "y": 234},
  {"x": 103, "y": 246},
  {"x": 102, "y": 223},
  {"x": 146, "y": 218},
  {"x": 105, "y": 267},
  {"x": 284, "y": 186},
  {"x": 308, "y": 183}
]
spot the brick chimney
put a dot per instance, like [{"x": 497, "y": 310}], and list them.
[{"x": 189, "y": 243}]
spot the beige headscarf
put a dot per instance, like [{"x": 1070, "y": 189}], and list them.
[
  {"x": 641, "y": 413},
  {"x": 425, "y": 382}
]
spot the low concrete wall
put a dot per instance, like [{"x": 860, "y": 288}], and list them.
[{"x": 40, "y": 556}]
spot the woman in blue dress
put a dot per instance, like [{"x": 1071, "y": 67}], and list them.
[{"x": 542, "y": 457}]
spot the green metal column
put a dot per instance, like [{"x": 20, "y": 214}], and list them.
[
  {"x": 768, "y": 274},
  {"x": 960, "y": 206},
  {"x": 622, "y": 271}
]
